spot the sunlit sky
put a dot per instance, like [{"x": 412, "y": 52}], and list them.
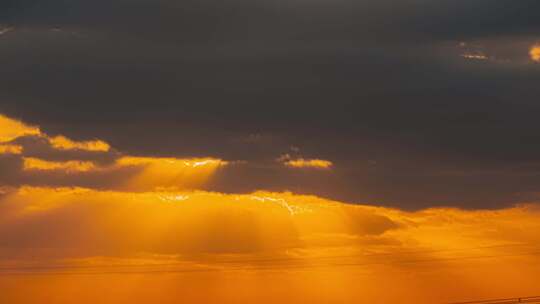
[
  {"x": 79, "y": 215},
  {"x": 267, "y": 151}
]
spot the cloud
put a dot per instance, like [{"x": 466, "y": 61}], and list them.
[
  {"x": 30, "y": 164},
  {"x": 414, "y": 19},
  {"x": 509, "y": 51},
  {"x": 535, "y": 52},
  {"x": 385, "y": 181},
  {"x": 5, "y": 30},
  {"x": 140, "y": 214},
  {"x": 162, "y": 222},
  {"x": 309, "y": 163},
  {"x": 383, "y": 119},
  {"x": 341, "y": 85},
  {"x": 169, "y": 172},
  {"x": 300, "y": 163},
  {"x": 300, "y": 241},
  {"x": 10, "y": 149},
  {"x": 198, "y": 222},
  {"x": 158, "y": 96},
  {"x": 475, "y": 56},
  {"x": 10, "y": 129},
  {"x": 35, "y": 158},
  {"x": 64, "y": 143}
]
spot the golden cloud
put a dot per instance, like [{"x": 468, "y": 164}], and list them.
[
  {"x": 306, "y": 246},
  {"x": 71, "y": 166},
  {"x": 309, "y": 163},
  {"x": 65, "y": 159},
  {"x": 534, "y": 53},
  {"x": 315, "y": 163},
  {"x": 254, "y": 222},
  {"x": 10, "y": 149},
  {"x": 262, "y": 247},
  {"x": 64, "y": 143},
  {"x": 11, "y": 129},
  {"x": 137, "y": 174}
]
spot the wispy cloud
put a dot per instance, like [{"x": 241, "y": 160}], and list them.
[
  {"x": 475, "y": 56},
  {"x": 71, "y": 166},
  {"x": 300, "y": 162},
  {"x": 64, "y": 143}
]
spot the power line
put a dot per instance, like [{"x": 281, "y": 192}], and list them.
[
  {"x": 267, "y": 267},
  {"x": 270, "y": 260},
  {"x": 535, "y": 299}
]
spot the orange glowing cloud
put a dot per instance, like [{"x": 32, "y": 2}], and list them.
[
  {"x": 304, "y": 246},
  {"x": 299, "y": 163},
  {"x": 10, "y": 149},
  {"x": 262, "y": 247},
  {"x": 127, "y": 172},
  {"x": 31, "y": 163},
  {"x": 64, "y": 143},
  {"x": 309, "y": 163},
  {"x": 534, "y": 53},
  {"x": 284, "y": 220},
  {"x": 11, "y": 129},
  {"x": 130, "y": 173}
]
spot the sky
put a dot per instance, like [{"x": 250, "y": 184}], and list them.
[{"x": 232, "y": 151}]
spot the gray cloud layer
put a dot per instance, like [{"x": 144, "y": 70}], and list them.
[{"x": 378, "y": 87}]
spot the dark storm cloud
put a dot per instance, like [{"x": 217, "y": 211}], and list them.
[
  {"x": 377, "y": 87},
  {"x": 263, "y": 19}
]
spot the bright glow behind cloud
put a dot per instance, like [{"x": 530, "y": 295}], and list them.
[
  {"x": 62, "y": 161},
  {"x": 535, "y": 53},
  {"x": 152, "y": 215},
  {"x": 167, "y": 173},
  {"x": 324, "y": 250}
]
